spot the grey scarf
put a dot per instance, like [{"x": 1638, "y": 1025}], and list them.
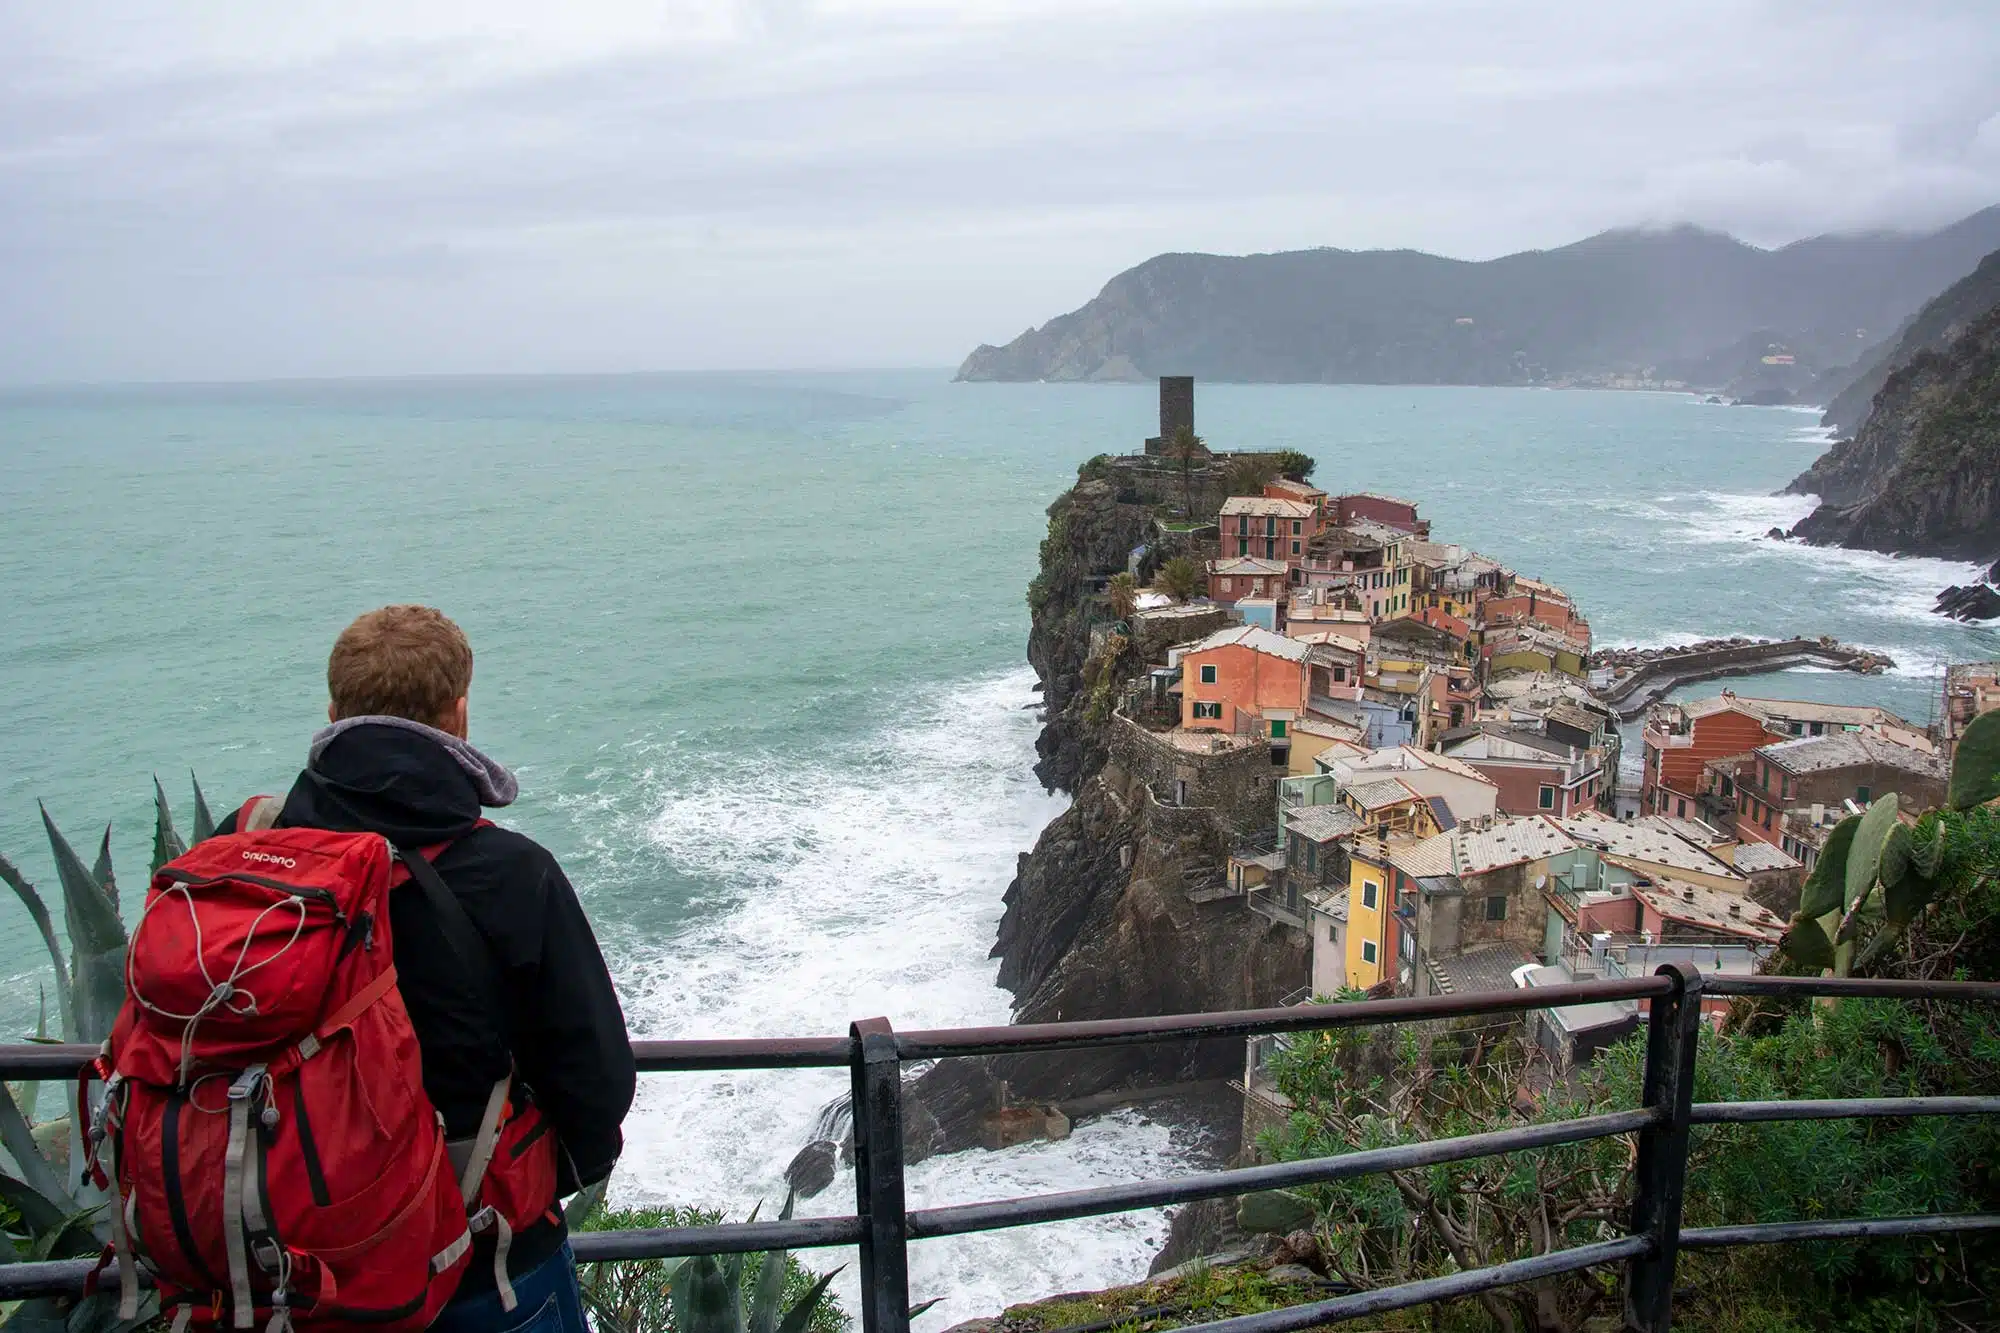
[{"x": 496, "y": 785}]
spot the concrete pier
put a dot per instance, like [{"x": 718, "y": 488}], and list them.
[{"x": 1630, "y": 679}]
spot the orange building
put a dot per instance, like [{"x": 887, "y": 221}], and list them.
[
  {"x": 1682, "y": 738},
  {"x": 1244, "y": 679}
]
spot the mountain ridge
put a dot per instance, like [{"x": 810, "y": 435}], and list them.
[{"x": 1618, "y": 302}]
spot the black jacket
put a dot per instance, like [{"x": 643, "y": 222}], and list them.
[{"x": 560, "y": 1026}]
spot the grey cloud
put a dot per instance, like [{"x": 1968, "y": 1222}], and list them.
[{"x": 782, "y": 183}]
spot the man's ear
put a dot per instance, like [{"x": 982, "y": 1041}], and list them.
[
  {"x": 332, "y": 714},
  {"x": 460, "y": 719}
]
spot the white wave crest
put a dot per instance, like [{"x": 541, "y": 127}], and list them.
[{"x": 867, "y": 881}]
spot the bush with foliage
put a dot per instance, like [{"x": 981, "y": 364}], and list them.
[{"x": 1179, "y": 578}]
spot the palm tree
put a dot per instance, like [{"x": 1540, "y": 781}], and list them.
[
  {"x": 1180, "y": 578},
  {"x": 1248, "y": 473},
  {"x": 1186, "y": 448},
  {"x": 1123, "y": 593}
]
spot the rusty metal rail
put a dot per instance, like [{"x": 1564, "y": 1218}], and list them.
[{"x": 882, "y": 1227}]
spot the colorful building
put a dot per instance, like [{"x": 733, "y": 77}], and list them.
[
  {"x": 1267, "y": 528},
  {"x": 1243, "y": 679},
  {"x": 1535, "y": 773},
  {"x": 1829, "y": 771},
  {"x": 1233, "y": 578},
  {"x": 1284, "y": 488}
]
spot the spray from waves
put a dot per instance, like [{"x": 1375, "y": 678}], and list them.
[{"x": 866, "y": 880}]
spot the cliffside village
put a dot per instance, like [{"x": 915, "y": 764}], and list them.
[{"x": 1397, "y": 742}]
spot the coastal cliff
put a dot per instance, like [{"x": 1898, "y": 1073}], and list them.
[
  {"x": 1098, "y": 921},
  {"x": 1922, "y": 475}
]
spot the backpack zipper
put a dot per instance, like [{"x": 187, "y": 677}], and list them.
[{"x": 275, "y": 885}]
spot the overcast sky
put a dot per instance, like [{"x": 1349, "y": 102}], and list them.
[{"x": 227, "y": 191}]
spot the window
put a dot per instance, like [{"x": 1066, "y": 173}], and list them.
[
  {"x": 1861, "y": 796},
  {"x": 1369, "y": 888},
  {"x": 1339, "y": 674},
  {"x": 1295, "y": 548},
  {"x": 1332, "y": 933},
  {"x": 1270, "y": 527},
  {"x": 1243, "y": 524},
  {"x": 1547, "y": 799},
  {"x": 1243, "y": 546},
  {"x": 1208, "y": 674},
  {"x": 1767, "y": 818},
  {"x": 1270, "y": 548},
  {"x": 1368, "y": 951},
  {"x": 1681, "y": 809},
  {"x": 1297, "y": 528},
  {"x": 1312, "y": 857},
  {"x": 1224, "y": 585},
  {"x": 1496, "y": 907},
  {"x": 1213, "y": 710},
  {"x": 1277, "y": 728}
]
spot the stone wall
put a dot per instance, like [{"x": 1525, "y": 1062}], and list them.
[{"x": 1238, "y": 786}]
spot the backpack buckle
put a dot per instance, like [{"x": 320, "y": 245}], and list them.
[{"x": 246, "y": 1083}]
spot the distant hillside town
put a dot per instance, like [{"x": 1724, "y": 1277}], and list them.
[{"x": 1411, "y": 758}]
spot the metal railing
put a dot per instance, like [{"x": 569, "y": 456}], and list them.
[{"x": 882, "y": 1227}]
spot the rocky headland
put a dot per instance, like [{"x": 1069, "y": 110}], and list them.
[
  {"x": 1922, "y": 474},
  {"x": 1098, "y": 920}
]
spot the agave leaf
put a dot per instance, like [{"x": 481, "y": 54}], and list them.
[
  {"x": 204, "y": 822},
  {"x": 42, "y": 1314},
  {"x": 167, "y": 843},
  {"x": 101, "y": 872},
  {"x": 98, "y": 1313},
  {"x": 40, "y": 912},
  {"x": 922, "y": 1306},
  {"x": 1864, "y": 858},
  {"x": 767, "y": 1300},
  {"x": 585, "y": 1202},
  {"x": 35, "y": 1171},
  {"x": 1823, "y": 889},
  {"x": 1975, "y": 764},
  {"x": 713, "y": 1301},
  {"x": 1807, "y": 945},
  {"x": 97, "y": 943},
  {"x": 800, "y": 1315}
]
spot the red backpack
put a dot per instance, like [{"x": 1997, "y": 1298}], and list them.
[{"x": 274, "y": 1152}]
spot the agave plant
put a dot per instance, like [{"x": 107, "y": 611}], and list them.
[
  {"x": 58, "y": 1213},
  {"x": 704, "y": 1294},
  {"x": 1843, "y": 922}
]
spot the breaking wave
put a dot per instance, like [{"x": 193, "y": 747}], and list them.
[{"x": 866, "y": 880}]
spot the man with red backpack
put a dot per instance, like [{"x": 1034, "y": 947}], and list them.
[{"x": 524, "y": 1053}]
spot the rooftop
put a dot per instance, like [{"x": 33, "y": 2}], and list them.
[
  {"x": 1382, "y": 794},
  {"x": 1489, "y": 969},
  {"x": 1644, "y": 839},
  {"x": 1710, "y": 909},
  {"x": 1849, "y": 749},
  {"x": 1377, "y": 495},
  {"x": 1175, "y": 611},
  {"x": 1469, "y": 851},
  {"x": 1753, "y": 856},
  {"x": 1793, "y": 710},
  {"x": 1322, "y": 823},
  {"x": 1256, "y": 639},
  {"x": 1264, "y": 506},
  {"x": 1246, "y": 564},
  {"x": 1299, "y": 488}
]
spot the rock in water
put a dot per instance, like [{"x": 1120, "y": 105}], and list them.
[
  {"x": 1972, "y": 601},
  {"x": 812, "y": 1170}
]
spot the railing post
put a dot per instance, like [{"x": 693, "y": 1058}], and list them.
[
  {"x": 878, "y": 1177},
  {"x": 1673, "y": 1027}
]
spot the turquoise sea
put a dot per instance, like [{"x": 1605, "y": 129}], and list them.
[{"x": 754, "y": 644}]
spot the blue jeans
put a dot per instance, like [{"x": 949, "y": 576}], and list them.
[{"x": 547, "y": 1302}]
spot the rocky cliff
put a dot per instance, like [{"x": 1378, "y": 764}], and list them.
[
  {"x": 1098, "y": 923},
  {"x": 1941, "y": 320},
  {"x": 1620, "y": 302},
  {"x": 1922, "y": 475}
]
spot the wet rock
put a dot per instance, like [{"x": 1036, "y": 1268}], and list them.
[
  {"x": 813, "y": 1169},
  {"x": 1293, "y": 1273}
]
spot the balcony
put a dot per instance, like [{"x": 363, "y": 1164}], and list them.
[{"x": 1277, "y": 904}]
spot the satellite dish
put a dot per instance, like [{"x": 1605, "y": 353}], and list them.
[{"x": 1541, "y": 881}]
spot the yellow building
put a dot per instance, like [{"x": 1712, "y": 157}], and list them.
[{"x": 1367, "y": 912}]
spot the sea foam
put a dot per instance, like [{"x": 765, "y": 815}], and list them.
[{"x": 867, "y": 882}]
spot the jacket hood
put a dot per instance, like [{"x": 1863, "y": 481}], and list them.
[{"x": 413, "y": 784}]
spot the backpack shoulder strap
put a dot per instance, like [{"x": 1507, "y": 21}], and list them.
[
  {"x": 258, "y": 814},
  {"x": 461, "y": 935}
]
